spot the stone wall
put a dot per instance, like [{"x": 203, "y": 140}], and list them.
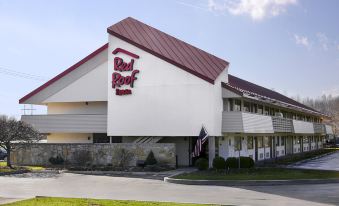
[{"x": 99, "y": 154}]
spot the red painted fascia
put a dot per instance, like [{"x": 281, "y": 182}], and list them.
[
  {"x": 160, "y": 56},
  {"x": 64, "y": 73}
]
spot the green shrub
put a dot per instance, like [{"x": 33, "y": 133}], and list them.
[
  {"x": 58, "y": 160},
  {"x": 245, "y": 162},
  {"x": 150, "y": 160},
  {"x": 219, "y": 163},
  {"x": 201, "y": 164},
  {"x": 231, "y": 162}
]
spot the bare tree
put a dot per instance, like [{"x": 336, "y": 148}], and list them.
[
  {"x": 328, "y": 105},
  {"x": 14, "y": 132}
]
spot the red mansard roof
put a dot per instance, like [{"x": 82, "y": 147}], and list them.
[
  {"x": 241, "y": 86},
  {"x": 168, "y": 48}
]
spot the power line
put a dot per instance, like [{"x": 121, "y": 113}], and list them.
[{"x": 14, "y": 73}]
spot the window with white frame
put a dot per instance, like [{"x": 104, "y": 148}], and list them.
[{"x": 237, "y": 143}]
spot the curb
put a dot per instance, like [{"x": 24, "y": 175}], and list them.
[
  {"x": 250, "y": 182},
  {"x": 112, "y": 173}
]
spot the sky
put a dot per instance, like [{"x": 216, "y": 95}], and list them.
[{"x": 291, "y": 46}]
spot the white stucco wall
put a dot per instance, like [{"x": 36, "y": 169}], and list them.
[
  {"x": 90, "y": 87},
  {"x": 69, "y": 138},
  {"x": 77, "y": 108},
  {"x": 166, "y": 100}
]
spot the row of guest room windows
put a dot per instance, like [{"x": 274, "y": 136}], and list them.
[
  {"x": 245, "y": 106},
  {"x": 265, "y": 141}
]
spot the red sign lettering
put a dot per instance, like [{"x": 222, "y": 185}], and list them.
[
  {"x": 120, "y": 65},
  {"x": 119, "y": 80},
  {"x": 123, "y": 92}
]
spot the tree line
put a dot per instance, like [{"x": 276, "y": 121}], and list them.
[{"x": 326, "y": 104}]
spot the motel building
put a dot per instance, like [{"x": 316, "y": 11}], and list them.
[{"x": 145, "y": 86}]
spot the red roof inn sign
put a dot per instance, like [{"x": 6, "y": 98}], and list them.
[{"x": 120, "y": 68}]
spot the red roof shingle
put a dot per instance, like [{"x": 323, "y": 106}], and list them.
[{"x": 168, "y": 48}]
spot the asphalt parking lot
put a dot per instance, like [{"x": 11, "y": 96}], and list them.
[
  {"x": 328, "y": 162},
  {"x": 152, "y": 188},
  {"x": 125, "y": 188}
]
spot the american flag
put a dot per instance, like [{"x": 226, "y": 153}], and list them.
[{"x": 200, "y": 141}]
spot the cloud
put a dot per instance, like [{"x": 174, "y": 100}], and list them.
[
  {"x": 302, "y": 40},
  {"x": 323, "y": 40},
  {"x": 256, "y": 9}
]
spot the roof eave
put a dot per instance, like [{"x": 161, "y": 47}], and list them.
[{"x": 64, "y": 73}]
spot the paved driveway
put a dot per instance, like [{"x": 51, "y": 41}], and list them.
[
  {"x": 123, "y": 188},
  {"x": 328, "y": 162}
]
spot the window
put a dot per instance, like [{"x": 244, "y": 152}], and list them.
[
  {"x": 267, "y": 154},
  {"x": 229, "y": 141},
  {"x": 294, "y": 116},
  {"x": 237, "y": 105},
  {"x": 267, "y": 111},
  {"x": 305, "y": 139},
  {"x": 237, "y": 143},
  {"x": 308, "y": 118},
  {"x": 278, "y": 141},
  {"x": 249, "y": 142},
  {"x": 272, "y": 112},
  {"x": 260, "y": 109},
  {"x": 267, "y": 141},
  {"x": 247, "y": 106},
  {"x": 260, "y": 142},
  {"x": 230, "y": 104},
  {"x": 300, "y": 139},
  {"x": 282, "y": 141},
  {"x": 100, "y": 138},
  {"x": 116, "y": 139},
  {"x": 225, "y": 105},
  {"x": 254, "y": 108}
]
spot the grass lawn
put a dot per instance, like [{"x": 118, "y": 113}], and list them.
[
  {"x": 260, "y": 174},
  {"x": 4, "y": 168},
  {"x": 90, "y": 202}
]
